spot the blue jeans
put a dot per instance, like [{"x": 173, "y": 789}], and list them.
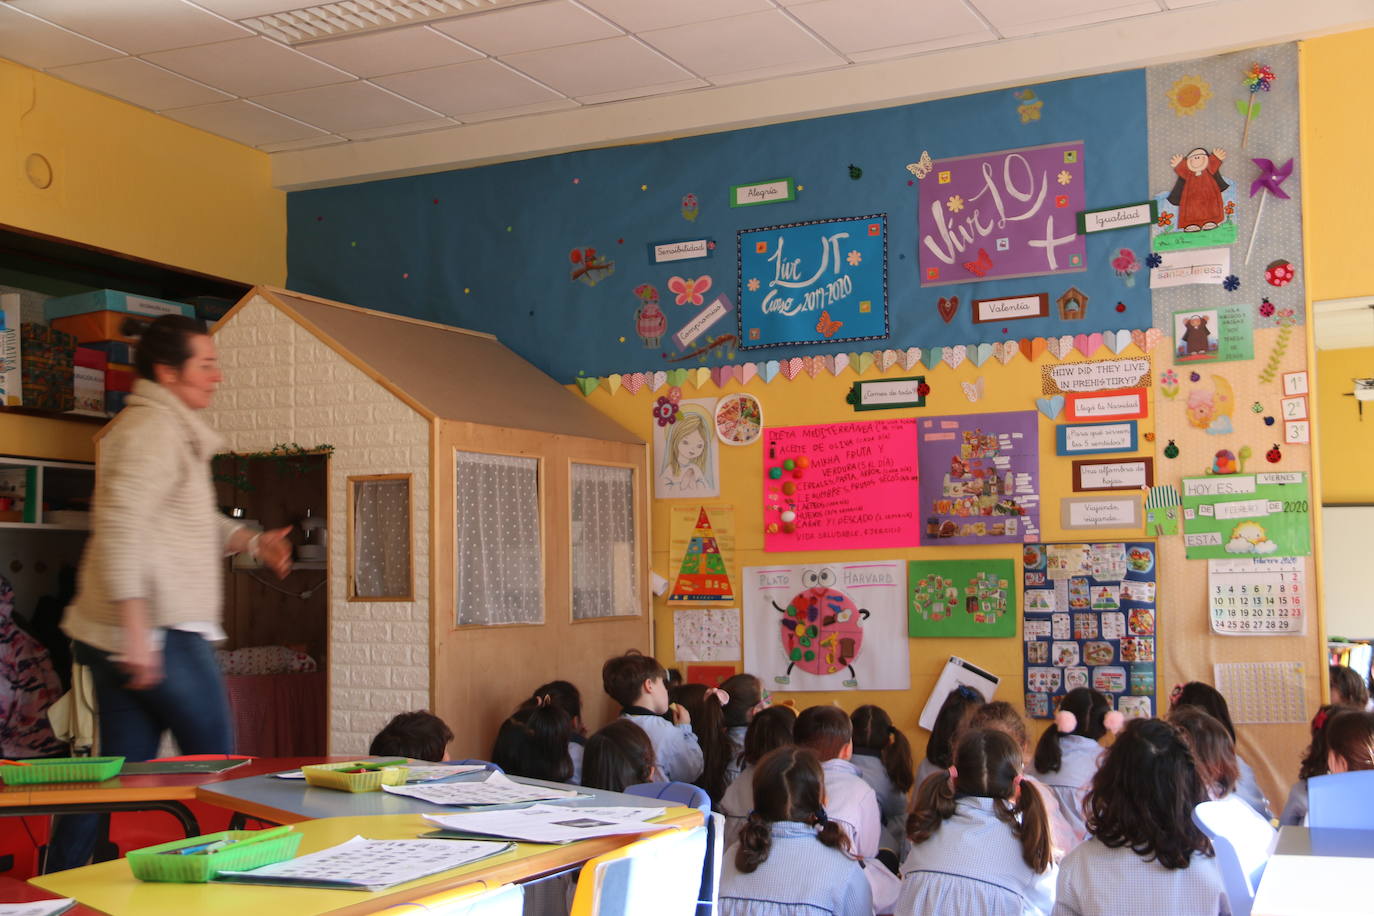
[{"x": 189, "y": 700}]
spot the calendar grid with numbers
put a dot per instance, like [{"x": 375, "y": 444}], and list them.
[{"x": 1257, "y": 596}]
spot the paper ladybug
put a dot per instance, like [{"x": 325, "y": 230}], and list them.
[
  {"x": 1273, "y": 456},
  {"x": 821, "y": 628},
  {"x": 1279, "y": 273}
]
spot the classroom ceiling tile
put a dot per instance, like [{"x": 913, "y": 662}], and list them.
[
  {"x": 598, "y": 68},
  {"x": 390, "y": 51},
  {"x": 136, "y": 26},
  {"x": 1016, "y": 17},
  {"x": 396, "y": 130},
  {"x": 525, "y": 28},
  {"x": 496, "y": 114},
  {"x": 644, "y": 15},
  {"x": 465, "y": 89},
  {"x": 34, "y": 43},
  {"x": 346, "y": 107},
  {"x": 244, "y": 122},
  {"x": 140, "y": 82},
  {"x": 250, "y": 66},
  {"x": 744, "y": 47},
  {"x": 920, "y": 47},
  {"x": 866, "y": 25},
  {"x": 1178, "y": 4}
]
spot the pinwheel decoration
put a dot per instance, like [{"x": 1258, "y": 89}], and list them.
[{"x": 1271, "y": 178}]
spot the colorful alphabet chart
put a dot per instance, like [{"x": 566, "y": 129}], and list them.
[
  {"x": 1090, "y": 621},
  {"x": 1257, "y": 596}
]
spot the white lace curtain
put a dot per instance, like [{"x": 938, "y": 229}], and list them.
[
  {"x": 604, "y": 573},
  {"x": 381, "y": 538},
  {"x": 500, "y": 575}
]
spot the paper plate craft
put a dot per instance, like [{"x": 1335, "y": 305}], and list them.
[{"x": 739, "y": 419}]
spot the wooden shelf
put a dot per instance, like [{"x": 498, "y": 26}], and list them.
[{"x": 56, "y": 415}]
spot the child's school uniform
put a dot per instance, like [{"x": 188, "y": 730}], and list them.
[
  {"x": 1078, "y": 764},
  {"x": 1062, "y": 835},
  {"x": 801, "y": 877},
  {"x": 853, "y": 803},
  {"x": 892, "y": 805},
  {"x": 576, "y": 747},
  {"x": 1247, "y": 787},
  {"x": 676, "y": 749},
  {"x": 736, "y": 804},
  {"x": 1295, "y": 809},
  {"x": 973, "y": 864},
  {"x": 1096, "y": 879},
  {"x": 736, "y": 735}
]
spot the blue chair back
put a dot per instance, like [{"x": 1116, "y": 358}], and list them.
[
  {"x": 1243, "y": 841},
  {"x": 690, "y": 796},
  {"x": 1344, "y": 800}
]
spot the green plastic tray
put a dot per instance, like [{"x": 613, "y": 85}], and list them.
[
  {"x": 62, "y": 769},
  {"x": 154, "y": 864}
]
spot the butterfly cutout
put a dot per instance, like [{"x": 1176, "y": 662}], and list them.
[
  {"x": 921, "y": 167},
  {"x": 827, "y": 328},
  {"x": 973, "y": 390},
  {"x": 689, "y": 290},
  {"x": 981, "y": 266}
]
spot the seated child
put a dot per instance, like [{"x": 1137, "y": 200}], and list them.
[
  {"x": 569, "y": 697},
  {"x": 959, "y": 704},
  {"x": 1145, "y": 855},
  {"x": 770, "y": 730},
  {"x": 636, "y": 682},
  {"x": 1003, "y": 717},
  {"x": 791, "y": 858},
  {"x": 1067, "y": 754},
  {"x": 1209, "y": 700},
  {"x": 883, "y": 757},
  {"x": 533, "y": 742},
  {"x": 619, "y": 756},
  {"x": 1314, "y": 763},
  {"x": 1348, "y": 688},
  {"x": 747, "y": 697},
  {"x": 980, "y": 839},
  {"x": 1350, "y": 741},
  {"x": 418, "y": 735},
  {"x": 704, "y": 706}
]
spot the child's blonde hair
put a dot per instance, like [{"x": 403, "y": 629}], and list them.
[{"x": 689, "y": 420}]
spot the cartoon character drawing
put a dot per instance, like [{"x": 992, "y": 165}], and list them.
[
  {"x": 1194, "y": 342},
  {"x": 686, "y": 467},
  {"x": 1250, "y": 537},
  {"x": 1197, "y": 192},
  {"x": 650, "y": 322},
  {"x": 821, "y": 628},
  {"x": 690, "y": 207},
  {"x": 1211, "y": 410}
]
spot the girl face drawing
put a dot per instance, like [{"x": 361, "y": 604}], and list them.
[{"x": 687, "y": 442}]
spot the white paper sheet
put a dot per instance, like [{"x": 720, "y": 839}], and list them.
[
  {"x": 38, "y": 907},
  {"x": 1191, "y": 265},
  {"x": 957, "y": 672},
  {"x": 496, "y": 789},
  {"x": 551, "y": 824},
  {"x": 702, "y": 634},
  {"x": 361, "y": 864}
]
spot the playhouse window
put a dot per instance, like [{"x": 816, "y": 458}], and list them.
[
  {"x": 379, "y": 532},
  {"x": 605, "y": 580},
  {"x": 500, "y": 565}
]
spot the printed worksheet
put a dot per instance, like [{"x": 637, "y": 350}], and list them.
[
  {"x": 550, "y": 823},
  {"x": 38, "y": 907},
  {"x": 496, "y": 789},
  {"x": 369, "y": 865}
]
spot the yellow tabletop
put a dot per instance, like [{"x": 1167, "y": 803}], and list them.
[{"x": 111, "y": 888}]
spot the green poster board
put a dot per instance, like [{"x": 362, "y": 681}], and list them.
[
  {"x": 961, "y": 598},
  {"x": 1229, "y": 516}
]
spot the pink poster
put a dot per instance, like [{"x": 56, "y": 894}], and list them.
[{"x": 840, "y": 486}]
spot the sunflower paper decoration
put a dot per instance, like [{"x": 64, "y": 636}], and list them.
[{"x": 1189, "y": 95}]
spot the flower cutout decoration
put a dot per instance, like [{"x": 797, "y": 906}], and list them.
[
  {"x": 955, "y": 204},
  {"x": 1154, "y": 259},
  {"x": 1231, "y": 283},
  {"x": 1259, "y": 77},
  {"x": 665, "y": 412},
  {"x": 1165, "y": 219},
  {"x": 1188, "y": 95},
  {"x": 1029, "y": 111},
  {"x": 1230, "y": 208},
  {"x": 1285, "y": 317},
  {"x": 753, "y": 284},
  {"x": 1064, "y": 176},
  {"x": 1169, "y": 378},
  {"x": 854, "y": 258},
  {"x": 1266, "y": 308}
]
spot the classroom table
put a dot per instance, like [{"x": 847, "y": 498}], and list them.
[
  {"x": 14, "y": 891},
  {"x": 1317, "y": 870},
  {"x": 111, "y": 888}
]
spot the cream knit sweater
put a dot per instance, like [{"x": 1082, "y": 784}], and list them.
[{"x": 156, "y": 531}]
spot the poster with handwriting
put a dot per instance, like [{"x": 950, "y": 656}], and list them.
[
  {"x": 961, "y": 598},
  {"x": 840, "y": 486},
  {"x": 980, "y": 478},
  {"x": 821, "y": 281},
  {"x": 1011, "y": 213},
  {"x": 1247, "y": 515}
]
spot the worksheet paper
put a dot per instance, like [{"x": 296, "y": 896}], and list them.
[
  {"x": 424, "y": 773},
  {"x": 369, "y": 865},
  {"x": 551, "y": 824},
  {"x": 957, "y": 673},
  {"x": 38, "y": 907},
  {"x": 496, "y": 789}
]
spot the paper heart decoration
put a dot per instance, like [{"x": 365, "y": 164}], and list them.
[
  {"x": 677, "y": 377},
  {"x": 722, "y": 374},
  {"x": 973, "y": 390},
  {"x": 1031, "y": 349},
  {"x": 838, "y": 363},
  {"x": 1060, "y": 347},
  {"x": 613, "y": 382},
  {"x": 1117, "y": 341},
  {"x": 1051, "y": 407},
  {"x": 747, "y": 373},
  {"x": 769, "y": 370},
  {"x": 911, "y": 356},
  {"x": 588, "y": 385},
  {"x": 980, "y": 353},
  {"x": 813, "y": 365},
  {"x": 865, "y": 361},
  {"x": 933, "y": 356},
  {"x": 1005, "y": 351},
  {"x": 1087, "y": 344},
  {"x": 1147, "y": 339},
  {"x": 791, "y": 368},
  {"x": 948, "y": 308},
  {"x": 659, "y": 380},
  {"x": 633, "y": 382},
  {"x": 699, "y": 377},
  {"x": 887, "y": 359},
  {"x": 954, "y": 356}
]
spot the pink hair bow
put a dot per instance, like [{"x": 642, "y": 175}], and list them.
[{"x": 720, "y": 695}]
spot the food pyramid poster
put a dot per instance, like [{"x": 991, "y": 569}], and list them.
[{"x": 703, "y": 576}]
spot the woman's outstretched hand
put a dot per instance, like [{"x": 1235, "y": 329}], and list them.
[{"x": 274, "y": 551}]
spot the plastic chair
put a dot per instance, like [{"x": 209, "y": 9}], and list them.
[
  {"x": 644, "y": 877},
  {"x": 691, "y": 796},
  {"x": 1342, "y": 800},
  {"x": 1242, "y": 840},
  {"x": 469, "y": 900}
]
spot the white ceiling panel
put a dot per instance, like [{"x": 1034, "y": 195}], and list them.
[
  {"x": 761, "y": 43},
  {"x": 390, "y": 51},
  {"x": 1179, "y": 4},
  {"x": 464, "y": 89},
  {"x": 396, "y": 130},
  {"x": 141, "y": 83},
  {"x": 867, "y": 25},
  {"x": 1017, "y": 17},
  {"x": 525, "y": 28},
  {"x": 600, "y": 67},
  {"x": 38, "y": 44},
  {"x": 136, "y": 26},
  {"x": 346, "y": 107},
  {"x": 921, "y": 47},
  {"x": 250, "y": 66},
  {"x": 643, "y": 15},
  {"x": 244, "y": 122},
  {"x": 496, "y": 114}
]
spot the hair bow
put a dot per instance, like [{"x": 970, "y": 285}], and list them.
[
  {"x": 1066, "y": 722},
  {"x": 720, "y": 695}
]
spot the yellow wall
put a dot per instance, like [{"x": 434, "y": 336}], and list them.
[{"x": 1345, "y": 440}]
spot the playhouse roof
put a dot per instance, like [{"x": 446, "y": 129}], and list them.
[{"x": 442, "y": 371}]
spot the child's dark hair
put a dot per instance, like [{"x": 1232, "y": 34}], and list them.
[
  {"x": 823, "y": 729},
  {"x": 770, "y": 730},
  {"x": 1314, "y": 761},
  {"x": 533, "y": 743},
  {"x": 746, "y": 692},
  {"x": 418, "y": 735},
  {"x": 1214, "y": 753},
  {"x": 618, "y": 756},
  {"x": 1089, "y": 709},
  {"x": 873, "y": 731},
  {"x": 708, "y": 723},
  {"x": 1349, "y": 686},
  {"x": 565, "y": 695},
  {"x": 988, "y": 762},
  {"x": 1350, "y": 736},
  {"x": 788, "y": 784},
  {"x": 1209, "y": 700},
  {"x": 1143, "y": 795},
  {"x": 1003, "y": 717},
  {"x": 166, "y": 341},
  {"x": 954, "y": 711},
  {"x": 623, "y": 676}
]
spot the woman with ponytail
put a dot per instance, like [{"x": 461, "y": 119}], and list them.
[
  {"x": 883, "y": 756},
  {"x": 980, "y": 836},
  {"x": 1067, "y": 754},
  {"x": 705, "y": 705},
  {"x": 791, "y": 859},
  {"x": 533, "y": 742}
]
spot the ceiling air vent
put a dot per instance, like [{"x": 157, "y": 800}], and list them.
[{"x": 355, "y": 17}]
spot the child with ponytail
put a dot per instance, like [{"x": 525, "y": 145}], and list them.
[
  {"x": 791, "y": 859},
  {"x": 747, "y": 698},
  {"x": 533, "y": 742},
  {"x": 980, "y": 836},
  {"x": 770, "y": 729},
  {"x": 1067, "y": 754},
  {"x": 1001, "y": 716},
  {"x": 705, "y": 705},
  {"x": 883, "y": 756},
  {"x": 958, "y": 705}
]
